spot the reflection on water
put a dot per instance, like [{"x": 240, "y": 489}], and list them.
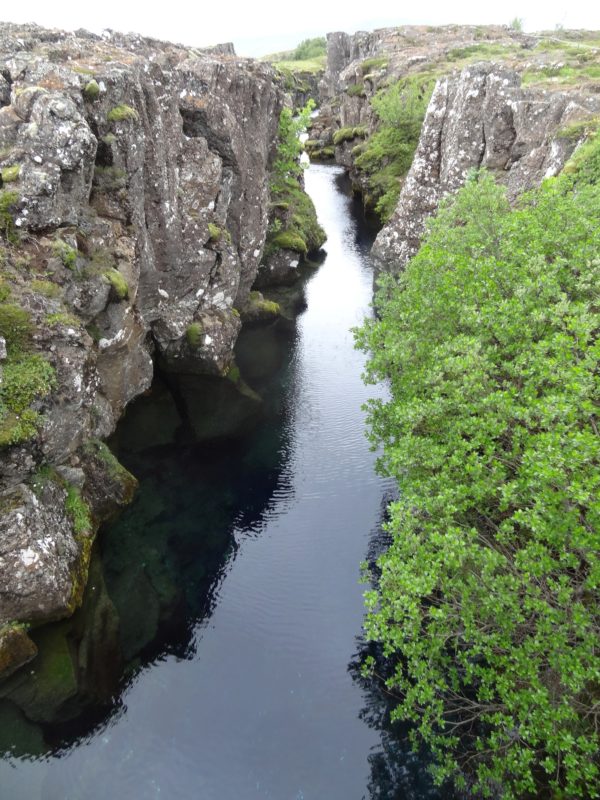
[{"x": 211, "y": 657}]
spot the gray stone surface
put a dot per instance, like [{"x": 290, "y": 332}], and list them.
[{"x": 131, "y": 152}]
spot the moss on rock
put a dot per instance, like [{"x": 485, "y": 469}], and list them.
[
  {"x": 194, "y": 334},
  {"x": 118, "y": 282},
  {"x": 16, "y": 648},
  {"x": 122, "y": 113}
]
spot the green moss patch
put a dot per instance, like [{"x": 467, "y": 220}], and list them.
[
  {"x": 122, "y": 113},
  {"x": 349, "y": 133},
  {"x": 10, "y": 174},
  {"x": 91, "y": 90},
  {"x": 118, "y": 282},
  {"x": 8, "y": 202},
  {"x": 294, "y": 224},
  {"x": 194, "y": 334}
]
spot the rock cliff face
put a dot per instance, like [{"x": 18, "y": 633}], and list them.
[
  {"x": 133, "y": 214},
  {"x": 481, "y": 118},
  {"x": 472, "y": 104},
  {"x": 360, "y": 64}
]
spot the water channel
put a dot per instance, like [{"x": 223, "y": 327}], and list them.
[{"x": 231, "y": 605}]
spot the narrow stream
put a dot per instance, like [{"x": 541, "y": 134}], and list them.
[{"x": 231, "y": 604}]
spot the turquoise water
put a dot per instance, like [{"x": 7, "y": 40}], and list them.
[{"x": 217, "y": 650}]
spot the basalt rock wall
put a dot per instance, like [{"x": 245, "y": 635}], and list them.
[
  {"x": 135, "y": 201},
  {"x": 481, "y": 118}
]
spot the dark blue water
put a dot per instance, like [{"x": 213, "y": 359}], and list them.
[{"x": 230, "y": 598}]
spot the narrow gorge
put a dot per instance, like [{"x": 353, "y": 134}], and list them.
[{"x": 186, "y": 489}]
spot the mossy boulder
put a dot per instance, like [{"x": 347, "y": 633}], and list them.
[
  {"x": 51, "y": 680},
  {"x": 108, "y": 485},
  {"x": 258, "y": 309},
  {"x": 16, "y": 649}
]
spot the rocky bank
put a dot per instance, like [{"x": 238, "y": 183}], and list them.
[{"x": 133, "y": 208}]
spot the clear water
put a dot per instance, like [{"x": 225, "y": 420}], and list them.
[{"x": 232, "y": 604}]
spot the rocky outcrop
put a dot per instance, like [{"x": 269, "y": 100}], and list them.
[
  {"x": 481, "y": 118},
  {"x": 133, "y": 214},
  {"x": 360, "y": 64}
]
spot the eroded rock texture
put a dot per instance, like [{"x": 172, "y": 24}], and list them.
[
  {"x": 481, "y": 118},
  {"x": 139, "y": 179}
]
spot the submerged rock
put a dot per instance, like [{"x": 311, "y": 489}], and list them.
[{"x": 16, "y": 649}]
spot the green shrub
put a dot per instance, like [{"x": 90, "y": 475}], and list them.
[
  {"x": 309, "y": 48},
  {"x": 387, "y": 155},
  {"x": 289, "y": 148},
  {"x": 487, "y": 603}
]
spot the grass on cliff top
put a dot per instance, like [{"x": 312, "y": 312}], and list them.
[
  {"x": 309, "y": 56},
  {"x": 313, "y": 65}
]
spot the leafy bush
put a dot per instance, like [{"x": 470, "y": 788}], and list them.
[
  {"x": 488, "y": 599},
  {"x": 307, "y": 49},
  {"x": 289, "y": 147},
  {"x": 387, "y": 155}
]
